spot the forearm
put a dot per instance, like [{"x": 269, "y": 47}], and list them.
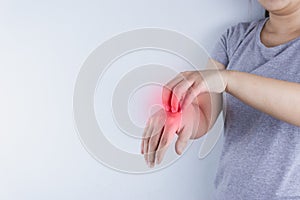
[{"x": 277, "y": 98}]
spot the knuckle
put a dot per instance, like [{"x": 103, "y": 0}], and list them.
[
  {"x": 196, "y": 75},
  {"x": 191, "y": 78},
  {"x": 195, "y": 87},
  {"x": 166, "y": 89},
  {"x": 184, "y": 73},
  {"x": 166, "y": 86},
  {"x": 192, "y": 91}
]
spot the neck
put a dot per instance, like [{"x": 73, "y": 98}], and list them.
[{"x": 284, "y": 23}]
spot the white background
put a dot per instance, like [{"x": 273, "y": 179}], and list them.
[{"x": 42, "y": 47}]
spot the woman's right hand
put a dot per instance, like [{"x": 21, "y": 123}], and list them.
[{"x": 162, "y": 127}]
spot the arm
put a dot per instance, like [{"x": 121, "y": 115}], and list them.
[
  {"x": 277, "y": 98},
  {"x": 274, "y": 97}
]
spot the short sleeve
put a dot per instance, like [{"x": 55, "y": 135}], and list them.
[
  {"x": 219, "y": 52},
  {"x": 230, "y": 40}
]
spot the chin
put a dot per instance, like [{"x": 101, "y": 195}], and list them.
[{"x": 275, "y": 5}]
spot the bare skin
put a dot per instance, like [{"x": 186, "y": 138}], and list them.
[
  {"x": 284, "y": 23},
  {"x": 203, "y": 89}
]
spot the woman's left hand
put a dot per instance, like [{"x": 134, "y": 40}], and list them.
[{"x": 185, "y": 87}]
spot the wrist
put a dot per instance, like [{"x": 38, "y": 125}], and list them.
[{"x": 227, "y": 76}]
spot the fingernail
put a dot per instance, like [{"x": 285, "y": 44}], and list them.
[
  {"x": 180, "y": 150},
  {"x": 158, "y": 161},
  {"x": 173, "y": 110},
  {"x": 168, "y": 108}
]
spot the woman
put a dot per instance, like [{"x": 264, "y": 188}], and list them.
[{"x": 258, "y": 70}]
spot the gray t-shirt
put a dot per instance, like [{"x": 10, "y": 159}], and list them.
[{"x": 261, "y": 155}]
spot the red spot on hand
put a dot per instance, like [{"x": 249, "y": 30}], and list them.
[{"x": 174, "y": 120}]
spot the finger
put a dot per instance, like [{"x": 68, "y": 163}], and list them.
[
  {"x": 183, "y": 138},
  {"x": 142, "y": 147},
  {"x": 167, "y": 92},
  {"x": 155, "y": 134},
  {"x": 177, "y": 94},
  {"x": 147, "y": 126},
  {"x": 165, "y": 140},
  {"x": 153, "y": 145},
  {"x": 166, "y": 96},
  {"x": 190, "y": 95},
  {"x": 154, "y": 124},
  {"x": 146, "y": 137}
]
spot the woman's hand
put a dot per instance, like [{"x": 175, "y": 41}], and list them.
[
  {"x": 184, "y": 88},
  {"x": 183, "y": 114},
  {"x": 161, "y": 129}
]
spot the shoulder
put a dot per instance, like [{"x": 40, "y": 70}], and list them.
[
  {"x": 232, "y": 38},
  {"x": 242, "y": 29},
  {"x": 236, "y": 34}
]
